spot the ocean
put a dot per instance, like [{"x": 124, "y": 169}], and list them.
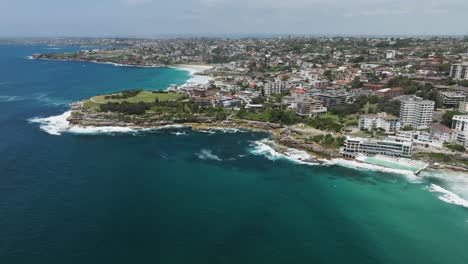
[{"x": 178, "y": 196}]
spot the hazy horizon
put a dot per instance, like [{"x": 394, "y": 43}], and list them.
[{"x": 152, "y": 18}]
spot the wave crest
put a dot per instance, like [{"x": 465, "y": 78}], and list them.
[
  {"x": 265, "y": 148},
  {"x": 448, "y": 196},
  {"x": 54, "y": 125}
]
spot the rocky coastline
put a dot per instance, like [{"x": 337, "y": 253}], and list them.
[{"x": 282, "y": 135}]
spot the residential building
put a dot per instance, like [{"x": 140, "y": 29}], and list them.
[
  {"x": 277, "y": 87},
  {"x": 460, "y": 129},
  {"x": 206, "y": 102},
  {"x": 383, "y": 121},
  {"x": 416, "y": 112},
  {"x": 310, "y": 107},
  {"x": 354, "y": 147},
  {"x": 390, "y": 54},
  {"x": 459, "y": 71},
  {"x": 390, "y": 92},
  {"x": 418, "y": 138},
  {"x": 451, "y": 99},
  {"x": 332, "y": 99},
  {"x": 441, "y": 133}
]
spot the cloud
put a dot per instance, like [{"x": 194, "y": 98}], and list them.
[
  {"x": 135, "y": 2},
  {"x": 385, "y": 12}
]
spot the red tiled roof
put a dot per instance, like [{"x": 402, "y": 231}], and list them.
[{"x": 442, "y": 128}]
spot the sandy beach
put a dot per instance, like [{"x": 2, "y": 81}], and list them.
[{"x": 194, "y": 67}]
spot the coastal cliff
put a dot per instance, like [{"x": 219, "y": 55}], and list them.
[{"x": 283, "y": 136}]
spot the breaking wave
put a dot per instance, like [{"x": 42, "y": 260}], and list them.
[
  {"x": 456, "y": 182},
  {"x": 264, "y": 147},
  {"x": 369, "y": 167},
  {"x": 54, "y": 125},
  {"x": 448, "y": 196}
]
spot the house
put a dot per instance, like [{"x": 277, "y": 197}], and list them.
[{"x": 441, "y": 133}]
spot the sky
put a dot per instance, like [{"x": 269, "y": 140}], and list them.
[{"x": 153, "y": 18}]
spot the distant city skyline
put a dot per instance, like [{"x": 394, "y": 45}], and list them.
[{"x": 154, "y": 18}]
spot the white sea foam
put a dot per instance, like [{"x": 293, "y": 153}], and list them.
[
  {"x": 178, "y": 133},
  {"x": 30, "y": 57},
  {"x": 206, "y": 154},
  {"x": 101, "y": 130},
  {"x": 448, "y": 196},
  {"x": 54, "y": 125},
  {"x": 227, "y": 130},
  {"x": 365, "y": 166},
  {"x": 264, "y": 147},
  {"x": 455, "y": 182}
]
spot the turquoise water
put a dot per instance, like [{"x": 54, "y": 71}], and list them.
[
  {"x": 416, "y": 166},
  {"x": 158, "y": 197}
]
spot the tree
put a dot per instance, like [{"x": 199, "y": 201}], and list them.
[
  {"x": 456, "y": 147},
  {"x": 356, "y": 83},
  {"x": 329, "y": 74},
  {"x": 448, "y": 116}
]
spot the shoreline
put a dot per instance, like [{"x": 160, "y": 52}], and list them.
[
  {"x": 57, "y": 125},
  {"x": 268, "y": 147}
]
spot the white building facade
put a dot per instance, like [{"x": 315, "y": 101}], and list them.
[
  {"x": 416, "y": 112},
  {"x": 383, "y": 121},
  {"x": 460, "y": 130},
  {"x": 459, "y": 71},
  {"x": 354, "y": 147}
]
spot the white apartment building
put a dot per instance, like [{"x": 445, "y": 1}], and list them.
[
  {"x": 418, "y": 138},
  {"x": 460, "y": 129},
  {"x": 277, "y": 87},
  {"x": 416, "y": 112},
  {"x": 451, "y": 99},
  {"x": 459, "y": 71},
  {"x": 383, "y": 121},
  {"x": 390, "y": 54},
  {"x": 354, "y": 147}
]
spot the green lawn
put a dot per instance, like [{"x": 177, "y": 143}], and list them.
[
  {"x": 143, "y": 96},
  {"x": 442, "y": 157}
]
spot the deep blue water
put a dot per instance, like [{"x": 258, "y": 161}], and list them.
[{"x": 158, "y": 197}]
